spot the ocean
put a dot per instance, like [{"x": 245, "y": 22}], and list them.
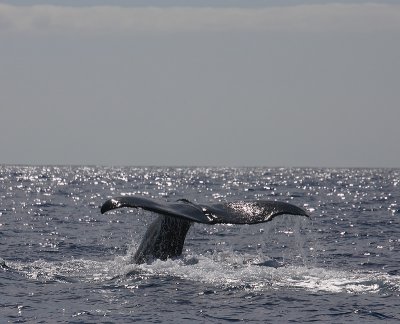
[{"x": 62, "y": 261}]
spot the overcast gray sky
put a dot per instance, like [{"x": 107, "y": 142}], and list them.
[{"x": 227, "y": 83}]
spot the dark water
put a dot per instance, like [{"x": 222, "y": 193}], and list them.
[{"x": 62, "y": 261}]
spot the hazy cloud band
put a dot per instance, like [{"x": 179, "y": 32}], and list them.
[{"x": 108, "y": 19}]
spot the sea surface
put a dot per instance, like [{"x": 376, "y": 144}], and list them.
[{"x": 62, "y": 261}]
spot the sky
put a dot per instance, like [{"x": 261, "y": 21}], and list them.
[{"x": 200, "y": 83}]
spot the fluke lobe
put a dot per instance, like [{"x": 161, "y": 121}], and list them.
[{"x": 165, "y": 237}]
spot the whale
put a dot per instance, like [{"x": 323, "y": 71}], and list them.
[{"x": 165, "y": 236}]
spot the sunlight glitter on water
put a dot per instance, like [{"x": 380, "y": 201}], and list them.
[{"x": 341, "y": 263}]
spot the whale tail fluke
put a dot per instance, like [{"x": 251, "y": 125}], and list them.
[{"x": 239, "y": 212}]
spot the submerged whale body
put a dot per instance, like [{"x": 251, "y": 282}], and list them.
[{"x": 165, "y": 237}]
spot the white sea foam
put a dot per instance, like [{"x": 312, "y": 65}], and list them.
[
  {"x": 235, "y": 272},
  {"x": 223, "y": 270}
]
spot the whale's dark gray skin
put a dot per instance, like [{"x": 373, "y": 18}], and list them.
[{"x": 166, "y": 235}]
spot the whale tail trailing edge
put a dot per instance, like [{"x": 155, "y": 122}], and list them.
[{"x": 240, "y": 212}]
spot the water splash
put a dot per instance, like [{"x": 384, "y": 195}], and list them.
[{"x": 224, "y": 270}]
